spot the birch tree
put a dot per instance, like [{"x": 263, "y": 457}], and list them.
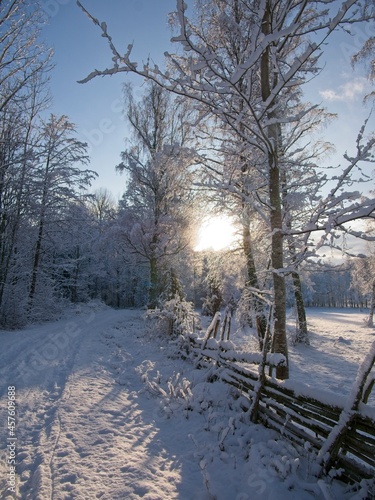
[
  {"x": 279, "y": 55},
  {"x": 157, "y": 162}
]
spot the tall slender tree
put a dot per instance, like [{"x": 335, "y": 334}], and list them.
[
  {"x": 156, "y": 202},
  {"x": 57, "y": 181}
]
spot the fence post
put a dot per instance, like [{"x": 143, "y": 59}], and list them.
[
  {"x": 212, "y": 329},
  {"x": 330, "y": 449},
  {"x": 368, "y": 388},
  {"x": 262, "y": 376}
]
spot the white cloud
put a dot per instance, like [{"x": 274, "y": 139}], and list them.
[
  {"x": 330, "y": 95},
  {"x": 346, "y": 92}
]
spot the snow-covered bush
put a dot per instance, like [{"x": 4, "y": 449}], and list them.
[
  {"x": 175, "y": 317},
  {"x": 174, "y": 393}
]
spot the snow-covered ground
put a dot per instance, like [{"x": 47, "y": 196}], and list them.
[
  {"x": 339, "y": 341},
  {"x": 106, "y": 410}
]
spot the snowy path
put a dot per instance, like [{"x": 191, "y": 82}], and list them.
[
  {"x": 81, "y": 434},
  {"x": 106, "y": 411}
]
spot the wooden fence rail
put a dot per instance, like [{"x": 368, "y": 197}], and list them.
[{"x": 296, "y": 415}]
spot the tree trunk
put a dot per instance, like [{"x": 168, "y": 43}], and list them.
[
  {"x": 8, "y": 246},
  {"x": 34, "y": 274},
  {"x": 302, "y": 334},
  {"x": 252, "y": 281},
  {"x": 74, "y": 292},
  {"x": 279, "y": 343},
  {"x": 370, "y": 321},
  {"x": 154, "y": 283},
  {"x": 38, "y": 246}
]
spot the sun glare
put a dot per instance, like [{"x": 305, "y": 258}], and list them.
[{"x": 216, "y": 234}]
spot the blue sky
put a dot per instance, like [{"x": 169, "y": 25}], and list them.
[{"x": 96, "y": 107}]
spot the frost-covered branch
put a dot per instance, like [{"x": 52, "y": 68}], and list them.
[{"x": 332, "y": 212}]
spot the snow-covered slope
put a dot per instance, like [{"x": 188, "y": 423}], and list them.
[{"x": 106, "y": 410}]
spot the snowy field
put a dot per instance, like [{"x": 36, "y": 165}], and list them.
[
  {"x": 339, "y": 341},
  {"x": 105, "y": 410}
]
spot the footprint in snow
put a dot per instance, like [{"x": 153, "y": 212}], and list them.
[{"x": 343, "y": 341}]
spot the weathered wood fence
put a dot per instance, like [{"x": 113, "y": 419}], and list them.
[{"x": 296, "y": 414}]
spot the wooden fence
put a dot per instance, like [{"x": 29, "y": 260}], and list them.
[{"x": 297, "y": 416}]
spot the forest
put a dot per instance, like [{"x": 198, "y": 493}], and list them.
[{"x": 223, "y": 129}]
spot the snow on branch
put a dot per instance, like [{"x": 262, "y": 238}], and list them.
[
  {"x": 332, "y": 211},
  {"x": 117, "y": 57},
  {"x": 349, "y": 214}
]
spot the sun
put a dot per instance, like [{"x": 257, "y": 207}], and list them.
[{"x": 216, "y": 234}]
